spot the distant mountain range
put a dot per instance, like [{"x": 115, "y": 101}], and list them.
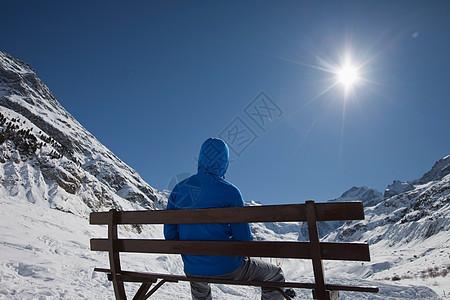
[
  {"x": 420, "y": 208},
  {"x": 408, "y": 211}
]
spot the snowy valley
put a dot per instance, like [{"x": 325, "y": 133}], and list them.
[{"x": 53, "y": 172}]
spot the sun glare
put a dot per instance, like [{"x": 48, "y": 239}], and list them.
[
  {"x": 346, "y": 81},
  {"x": 348, "y": 76}
]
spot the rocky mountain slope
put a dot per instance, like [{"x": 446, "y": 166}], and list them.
[
  {"x": 417, "y": 212},
  {"x": 50, "y": 158},
  {"x": 407, "y": 211},
  {"x": 409, "y": 232}
]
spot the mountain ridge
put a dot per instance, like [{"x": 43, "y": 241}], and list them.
[{"x": 62, "y": 151}]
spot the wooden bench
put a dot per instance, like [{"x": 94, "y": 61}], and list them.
[{"x": 309, "y": 212}]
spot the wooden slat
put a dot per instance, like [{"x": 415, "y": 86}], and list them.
[
  {"x": 329, "y": 251},
  {"x": 128, "y": 276},
  {"x": 139, "y": 277},
  {"x": 334, "y": 211},
  {"x": 339, "y": 211}
]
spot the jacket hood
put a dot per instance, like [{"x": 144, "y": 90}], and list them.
[{"x": 214, "y": 157}]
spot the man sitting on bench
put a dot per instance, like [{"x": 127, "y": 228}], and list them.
[{"x": 208, "y": 188}]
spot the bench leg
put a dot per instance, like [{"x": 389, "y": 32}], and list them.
[
  {"x": 140, "y": 294},
  {"x": 155, "y": 288},
  {"x": 119, "y": 289}
]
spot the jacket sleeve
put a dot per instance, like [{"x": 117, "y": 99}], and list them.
[
  {"x": 240, "y": 231},
  {"x": 171, "y": 230}
]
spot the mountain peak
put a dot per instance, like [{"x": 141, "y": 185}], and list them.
[
  {"x": 44, "y": 146},
  {"x": 397, "y": 187},
  {"x": 439, "y": 170},
  {"x": 369, "y": 196}
]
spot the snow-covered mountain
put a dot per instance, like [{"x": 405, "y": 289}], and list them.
[
  {"x": 46, "y": 156},
  {"x": 440, "y": 169},
  {"x": 409, "y": 232},
  {"x": 367, "y": 195},
  {"x": 419, "y": 212},
  {"x": 53, "y": 172},
  {"x": 407, "y": 228}
]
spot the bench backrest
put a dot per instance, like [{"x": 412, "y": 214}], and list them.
[
  {"x": 271, "y": 213},
  {"x": 309, "y": 212}
]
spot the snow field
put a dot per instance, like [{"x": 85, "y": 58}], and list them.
[{"x": 45, "y": 255}]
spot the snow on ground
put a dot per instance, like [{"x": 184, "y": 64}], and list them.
[
  {"x": 45, "y": 255},
  {"x": 416, "y": 263}
]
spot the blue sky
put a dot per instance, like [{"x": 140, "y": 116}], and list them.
[{"x": 153, "y": 79}]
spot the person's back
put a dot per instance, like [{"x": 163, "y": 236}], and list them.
[{"x": 207, "y": 189}]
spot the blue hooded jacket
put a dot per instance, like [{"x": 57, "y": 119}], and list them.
[{"x": 208, "y": 189}]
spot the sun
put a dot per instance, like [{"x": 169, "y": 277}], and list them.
[
  {"x": 347, "y": 73},
  {"x": 348, "y": 76}
]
